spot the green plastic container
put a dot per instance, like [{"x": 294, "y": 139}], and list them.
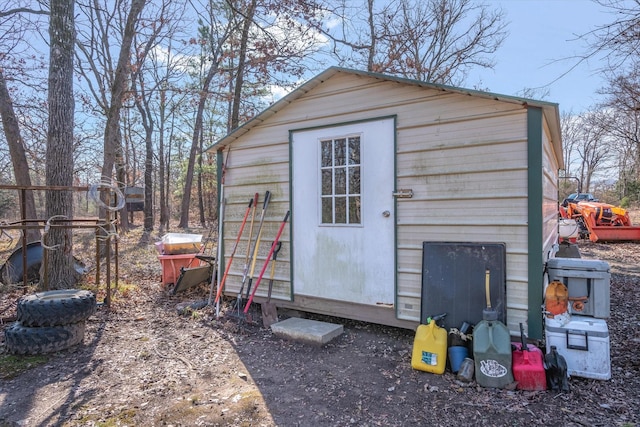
[{"x": 492, "y": 354}]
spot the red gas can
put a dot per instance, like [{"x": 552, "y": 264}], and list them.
[{"x": 528, "y": 366}]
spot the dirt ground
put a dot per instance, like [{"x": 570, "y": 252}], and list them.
[{"x": 143, "y": 362}]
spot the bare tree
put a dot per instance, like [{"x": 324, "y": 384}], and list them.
[
  {"x": 570, "y": 126},
  {"x": 112, "y": 136},
  {"x": 215, "y": 32},
  {"x": 18, "y": 156},
  {"x": 241, "y": 63},
  {"x": 622, "y": 108},
  {"x": 195, "y": 143},
  {"x": 147, "y": 83},
  {"x": 433, "y": 40},
  {"x": 594, "y": 150},
  {"x": 624, "y": 129},
  {"x": 109, "y": 83},
  {"x": 148, "y": 122},
  {"x": 12, "y": 28},
  {"x": 610, "y": 134},
  {"x": 619, "y": 40},
  {"x": 252, "y": 44},
  {"x": 170, "y": 104}
]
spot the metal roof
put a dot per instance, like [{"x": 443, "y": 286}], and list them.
[{"x": 549, "y": 109}]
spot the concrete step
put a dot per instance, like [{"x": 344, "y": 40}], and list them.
[{"x": 308, "y": 331}]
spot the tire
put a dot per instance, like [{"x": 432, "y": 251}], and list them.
[
  {"x": 56, "y": 308},
  {"x": 20, "y": 339}
]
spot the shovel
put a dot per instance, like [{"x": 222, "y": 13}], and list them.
[{"x": 269, "y": 309}]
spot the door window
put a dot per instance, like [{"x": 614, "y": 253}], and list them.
[{"x": 341, "y": 188}]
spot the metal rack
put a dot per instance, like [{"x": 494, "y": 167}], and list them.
[{"x": 105, "y": 232}]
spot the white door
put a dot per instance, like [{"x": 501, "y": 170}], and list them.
[{"x": 343, "y": 212}]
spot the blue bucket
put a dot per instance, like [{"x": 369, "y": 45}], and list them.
[{"x": 456, "y": 355}]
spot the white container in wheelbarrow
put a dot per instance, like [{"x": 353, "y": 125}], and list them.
[
  {"x": 584, "y": 343},
  {"x": 588, "y": 283},
  {"x": 181, "y": 243},
  {"x": 568, "y": 230}
]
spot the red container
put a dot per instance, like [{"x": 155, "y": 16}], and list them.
[
  {"x": 528, "y": 368},
  {"x": 171, "y": 265}
]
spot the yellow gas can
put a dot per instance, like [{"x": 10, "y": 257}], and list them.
[{"x": 430, "y": 348}]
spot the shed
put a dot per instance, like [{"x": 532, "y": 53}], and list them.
[{"x": 372, "y": 167}]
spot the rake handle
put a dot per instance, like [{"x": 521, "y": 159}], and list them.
[
  {"x": 264, "y": 267},
  {"x": 233, "y": 251}
]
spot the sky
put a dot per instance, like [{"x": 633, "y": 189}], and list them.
[{"x": 542, "y": 35}]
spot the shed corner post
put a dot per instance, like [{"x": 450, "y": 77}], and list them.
[
  {"x": 219, "y": 172},
  {"x": 535, "y": 229}
]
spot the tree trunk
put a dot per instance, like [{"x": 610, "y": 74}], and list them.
[
  {"x": 148, "y": 125},
  {"x": 164, "y": 213},
  {"x": 203, "y": 222},
  {"x": 373, "y": 48},
  {"x": 18, "y": 156},
  {"x": 148, "y": 180},
  {"x": 58, "y": 271},
  {"x": 188, "y": 180},
  {"x": 111, "y": 133},
  {"x": 242, "y": 58},
  {"x": 167, "y": 177},
  {"x": 121, "y": 179}
]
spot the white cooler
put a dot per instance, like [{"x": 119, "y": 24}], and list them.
[{"x": 584, "y": 343}]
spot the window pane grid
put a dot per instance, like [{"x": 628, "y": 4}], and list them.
[{"x": 340, "y": 180}]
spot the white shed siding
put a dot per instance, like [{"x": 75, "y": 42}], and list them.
[
  {"x": 257, "y": 164},
  {"x": 468, "y": 172},
  {"x": 260, "y": 162},
  {"x": 464, "y": 157}
]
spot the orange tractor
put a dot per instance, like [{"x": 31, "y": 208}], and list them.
[{"x": 601, "y": 221}]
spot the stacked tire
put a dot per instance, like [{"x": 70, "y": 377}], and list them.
[{"x": 50, "y": 321}]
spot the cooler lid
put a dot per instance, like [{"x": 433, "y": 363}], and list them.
[
  {"x": 594, "y": 326},
  {"x": 581, "y": 264}
]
